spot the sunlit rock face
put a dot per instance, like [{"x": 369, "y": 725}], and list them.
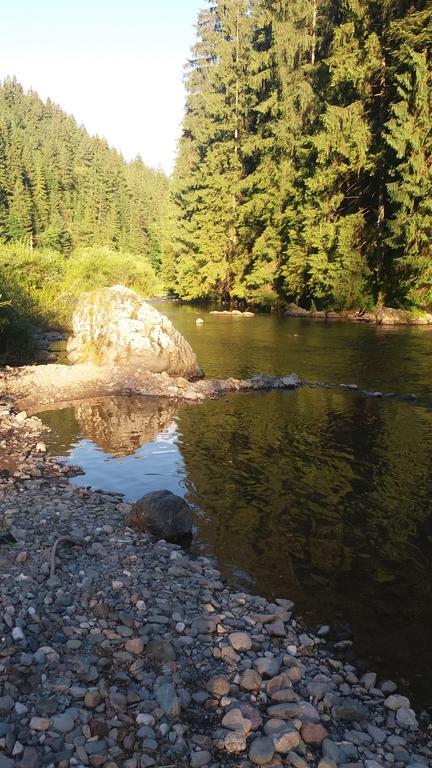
[{"x": 115, "y": 327}]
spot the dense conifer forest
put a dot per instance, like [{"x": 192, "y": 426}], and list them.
[
  {"x": 63, "y": 188},
  {"x": 304, "y": 172},
  {"x": 305, "y": 164}
]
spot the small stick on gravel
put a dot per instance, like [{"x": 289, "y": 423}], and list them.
[{"x": 61, "y": 540}]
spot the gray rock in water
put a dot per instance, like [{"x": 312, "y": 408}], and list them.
[
  {"x": 115, "y": 326},
  {"x": 163, "y": 514}
]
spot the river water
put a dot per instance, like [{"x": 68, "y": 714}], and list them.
[{"x": 320, "y": 495}]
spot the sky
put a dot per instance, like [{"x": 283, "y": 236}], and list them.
[{"x": 115, "y": 65}]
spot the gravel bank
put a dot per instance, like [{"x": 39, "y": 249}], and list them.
[{"x": 133, "y": 653}]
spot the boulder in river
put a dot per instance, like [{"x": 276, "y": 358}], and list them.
[
  {"x": 116, "y": 327},
  {"x": 163, "y": 514}
]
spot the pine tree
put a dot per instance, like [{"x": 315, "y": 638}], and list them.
[
  {"x": 207, "y": 185},
  {"x": 409, "y": 135}
]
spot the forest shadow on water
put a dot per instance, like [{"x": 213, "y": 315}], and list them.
[{"x": 317, "y": 495}]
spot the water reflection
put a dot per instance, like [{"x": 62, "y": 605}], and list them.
[
  {"x": 125, "y": 445},
  {"x": 375, "y": 357},
  {"x": 318, "y": 495}
]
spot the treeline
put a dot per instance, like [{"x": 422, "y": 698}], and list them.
[
  {"x": 62, "y": 188},
  {"x": 73, "y": 216},
  {"x": 305, "y": 163}
]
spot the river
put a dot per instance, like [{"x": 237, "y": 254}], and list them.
[{"x": 319, "y": 495}]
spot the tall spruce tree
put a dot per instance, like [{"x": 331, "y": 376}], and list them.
[
  {"x": 207, "y": 184},
  {"x": 409, "y": 137}
]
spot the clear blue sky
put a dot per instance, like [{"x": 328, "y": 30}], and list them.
[{"x": 116, "y": 65}]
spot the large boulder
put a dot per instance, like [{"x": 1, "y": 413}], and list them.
[
  {"x": 115, "y": 327},
  {"x": 163, "y": 514}
]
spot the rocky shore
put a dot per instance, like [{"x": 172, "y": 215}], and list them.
[
  {"x": 120, "y": 650},
  {"x": 386, "y": 316}
]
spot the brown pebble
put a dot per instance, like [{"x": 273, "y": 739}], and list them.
[
  {"x": 313, "y": 733},
  {"x": 92, "y": 699},
  {"x": 218, "y": 686},
  {"x": 135, "y": 646}
]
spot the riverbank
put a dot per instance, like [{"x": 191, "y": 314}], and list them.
[
  {"x": 133, "y": 653},
  {"x": 386, "y": 316}
]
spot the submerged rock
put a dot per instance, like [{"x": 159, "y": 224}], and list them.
[
  {"x": 163, "y": 514},
  {"x": 115, "y": 326}
]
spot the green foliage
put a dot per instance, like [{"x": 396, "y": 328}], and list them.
[
  {"x": 40, "y": 287},
  {"x": 97, "y": 267},
  {"x": 409, "y": 134},
  {"x": 304, "y": 168},
  {"x": 73, "y": 216},
  {"x": 68, "y": 189}
]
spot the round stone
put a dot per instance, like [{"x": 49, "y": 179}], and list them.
[
  {"x": 234, "y": 721},
  {"x": 135, "y": 646},
  {"x": 235, "y": 741},
  {"x": 405, "y": 717},
  {"x": 396, "y": 701},
  {"x": 240, "y": 641},
  {"x": 218, "y": 686},
  {"x": 313, "y": 733},
  {"x": 250, "y": 680},
  {"x": 285, "y": 740},
  {"x": 40, "y": 724},
  {"x": 199, "y": 759},
  {"x": 92, "y": 699},
  {"x": 261, "y": 750}
]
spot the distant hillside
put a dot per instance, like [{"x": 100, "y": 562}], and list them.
[{"x": 61, "y": 188}]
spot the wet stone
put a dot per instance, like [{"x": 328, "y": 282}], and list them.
[{"x": 261, "y": 751}]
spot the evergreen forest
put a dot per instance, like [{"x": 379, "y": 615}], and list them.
[
  {"x": 304, "y": 170},
  {"x": 303, "y": 174}
]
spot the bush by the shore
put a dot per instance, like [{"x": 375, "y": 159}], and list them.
[{"x": 39, "y": 287}]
